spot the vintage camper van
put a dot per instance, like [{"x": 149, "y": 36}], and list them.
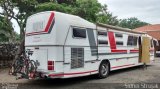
[{"x": 67, "y": 46}]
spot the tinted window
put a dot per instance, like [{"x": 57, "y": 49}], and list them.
[
  {"x": 77, "y": 32},
  {"x": 119, "y": 43},
  {"x": 102, "y": 42},
  {"x": 118, "y": 35},
  {"x": 102, "y": 33},
  {"x": 135, "y": 41},
  {"x": 132, "y": 41}
]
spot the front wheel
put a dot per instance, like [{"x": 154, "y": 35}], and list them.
[{"x": 103, "y": 70}]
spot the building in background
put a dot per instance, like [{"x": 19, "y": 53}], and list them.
[{"x": 154, "y": 31}]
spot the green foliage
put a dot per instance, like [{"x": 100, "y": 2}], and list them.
[
  {"x": 49, "y": 6},
  {"x": 43, "y": 1},
  {"x": 87, "y": 9},
  {"x": 24, "y": 8},
  {"x": 17, "y": 36},
  {"x": 106, "y": 17},
  {"x": 90, "y": 10},
  {"x": 3, "y": 38},
  {"x": 5, "y": 31},
  {"x": 68, "y": 2},
  {"x": 131, "y": 23}
]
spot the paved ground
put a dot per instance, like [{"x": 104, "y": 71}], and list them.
[{"x": 130, "y": 75}]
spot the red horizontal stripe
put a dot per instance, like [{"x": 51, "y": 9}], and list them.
[
  {"x": 122, "y": 66},
  {"x": 76, "y": 73},
  {"x": 35, "y": 33},
  {"x": 134, "y": 50}
]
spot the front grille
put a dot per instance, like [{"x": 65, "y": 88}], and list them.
[{"x": 77, "y": 58}]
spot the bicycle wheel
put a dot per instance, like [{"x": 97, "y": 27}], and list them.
[
  {"x": 17, "y": 66},
  {"x": 32, "y": 69}
]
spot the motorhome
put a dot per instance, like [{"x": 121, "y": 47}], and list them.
[{"x": 68, "y": 46}]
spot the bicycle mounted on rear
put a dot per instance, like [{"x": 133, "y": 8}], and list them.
[{"x": 23, "y": 67}]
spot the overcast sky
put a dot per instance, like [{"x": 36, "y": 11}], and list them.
[{"x": 145, "y": 10}]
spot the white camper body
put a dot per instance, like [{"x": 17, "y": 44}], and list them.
[{"x": 68, "y": 46}]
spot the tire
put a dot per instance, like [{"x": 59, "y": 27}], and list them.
[
  {"x": 103, "y": 70},
  {"x": 31, "y": 66},
  {"x": 16, "y": 67}
]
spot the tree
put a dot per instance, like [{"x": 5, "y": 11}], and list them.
[
  {"x": 131, "y": 23},
  {"x": 106, "y": 17},
  {"x": 90, "y": 10},
  {"x": 68, "y": 2},
  {"x": 50, "y": 6},
  {"x": 24, "y": 8},
  {"x": 87, "y": 9},
  {"x": 6, "y": 31},
  {"x": 3, "y": 33}
]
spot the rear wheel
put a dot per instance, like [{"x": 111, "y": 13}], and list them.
[{"x": 103, "y": 70}]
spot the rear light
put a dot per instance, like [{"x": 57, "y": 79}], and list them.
[{"x": 50, "y": 65}]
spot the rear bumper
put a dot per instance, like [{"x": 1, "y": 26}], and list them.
[{"x": 50, "y": 74}]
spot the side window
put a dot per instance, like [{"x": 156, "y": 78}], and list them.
[
  {"x": 102, "y": 33},
  {"x": 79, "y": 33},
  {"x": 119, "y": 43},
  {"x": 135, "y": 41},
  {"x": 118, "y": 35},
  {"x": 132, "y": 41},
  {"x": 103, "y": 42},
  {"x": 119, "y": 38}
]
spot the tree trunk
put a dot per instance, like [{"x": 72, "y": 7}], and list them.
[{"x": 21, "y": 47}]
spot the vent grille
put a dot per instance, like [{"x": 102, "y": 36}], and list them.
[{"x": 77, "y": 58}]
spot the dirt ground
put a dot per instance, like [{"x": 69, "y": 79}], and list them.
[{"x": 129, "y": 75}]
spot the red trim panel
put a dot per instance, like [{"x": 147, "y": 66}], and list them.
[
  {"x": 134, "y": 51},
  {"x": 47, "y": 26},
  {"x": 122, "y": 66},
  {"x": 76, "y": 73},
  {"x": 112, "y": 40}
]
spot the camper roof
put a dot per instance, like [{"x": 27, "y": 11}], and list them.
[{"x": 118, "y": 28}]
